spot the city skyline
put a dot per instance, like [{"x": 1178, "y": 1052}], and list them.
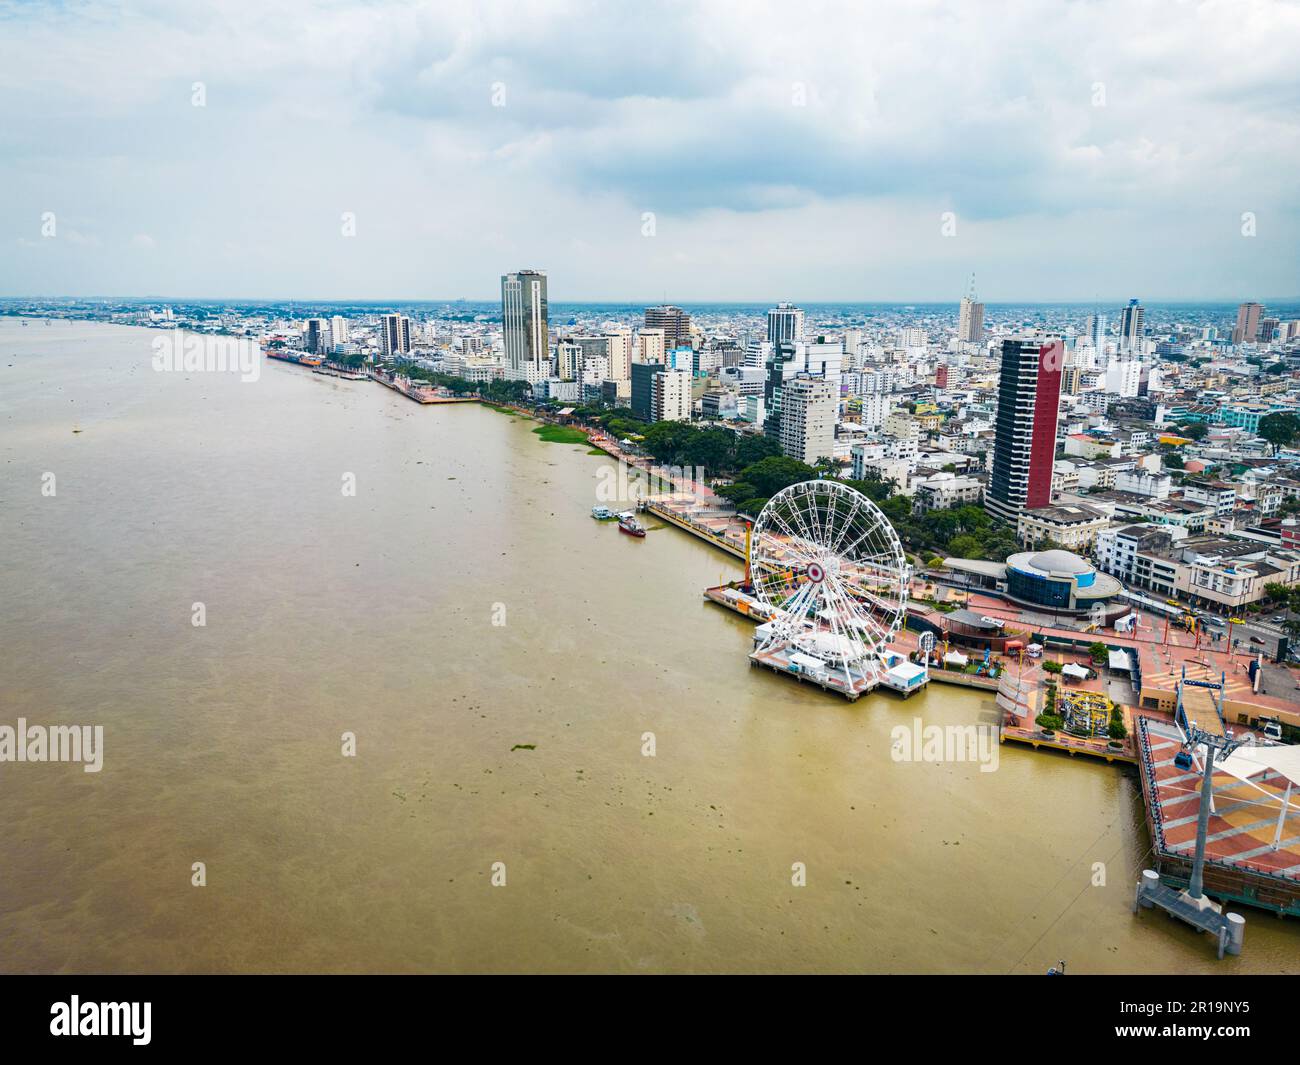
[{"x": 188, "y": 154}]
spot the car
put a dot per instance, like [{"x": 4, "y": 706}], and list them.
[
  {"x": 1280, "y": 619},
  {"x": 1256, "y": 639},
  {"x": 1217, "y": 623}
]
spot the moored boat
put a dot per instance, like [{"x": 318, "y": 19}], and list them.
[{"x": 627, "y": 523}]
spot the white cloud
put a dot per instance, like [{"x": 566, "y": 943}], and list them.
[{"x": 806, "y": 151}]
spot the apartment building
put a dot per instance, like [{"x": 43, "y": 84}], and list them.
[{"x": 1072, "y": 525}]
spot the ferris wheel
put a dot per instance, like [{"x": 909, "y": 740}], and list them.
[{"x": 830, "y": 567}]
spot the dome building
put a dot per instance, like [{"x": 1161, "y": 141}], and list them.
[{"x": 1058, "y": 579}]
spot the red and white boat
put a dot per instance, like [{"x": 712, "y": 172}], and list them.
[{"x": 627, "y": 523}]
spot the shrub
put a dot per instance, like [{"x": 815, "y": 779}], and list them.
[{"x": 1048, "y": 721}]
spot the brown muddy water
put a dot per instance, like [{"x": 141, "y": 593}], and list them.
[{"x": 374, "y": 614}]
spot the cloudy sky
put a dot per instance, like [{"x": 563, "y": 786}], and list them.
[{"x": 688, "y": 151}]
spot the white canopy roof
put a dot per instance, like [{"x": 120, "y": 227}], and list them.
[
  {"x": 1247, "y": 762},
  {"x": 1070, "y": 669}
]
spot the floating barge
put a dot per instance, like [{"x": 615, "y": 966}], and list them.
[{"x": 850, "y": 681}]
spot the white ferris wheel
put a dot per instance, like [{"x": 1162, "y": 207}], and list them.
[{"x": 831, "y": 569}]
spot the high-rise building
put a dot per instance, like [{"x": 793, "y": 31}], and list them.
[
  {"x": 1094, "y": 331},
  {"x": 970, "y": 321},
  {"x": 568, "y": 360},
  {"x": 1131, "y": 326},
  {"x": 670, "y": 396},
  {"x": 1247, "y": 328},
  {"x": 819, "y": 358},
  {"x": 643, "y": 375},
  {"x": 1269, "y": 329},
  {"x": 941, "y": 375},
  {"x": 970, "y": 317},
  {"x": 394, "y": 335},
  {"x": 784, "y": 322},
  {"x": 1024, "y": 445},
  {"x": 525, "y": 325},
  {"x": 620, "y": 354},
  {"x": 652, "y": 346},
  {"x": 315, "y": 337},
  {"x": 675, "y": 323},
  {"x": 339, "y": 331},
  {"x": 808, "y": 410}
]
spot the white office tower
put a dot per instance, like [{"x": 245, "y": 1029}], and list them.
[
  {"x": 757, "y": 353},
  {"x": 822, "y": 358},
  {"x": 525, "y": 324},
  {"x": 650, "y": 346},
  {"x": 568, "y": 360},
  {"x": 784, "y": 322},
  {"x": 620, "y": 354},
  {"x": 808, "y": 410},
  {"x": 1123, "y": 379},
  {"x": 876, "y": 407},
  {"x": 914, "y": 338},
  {"x": 670, "y": 396},
  {"x": 593, "y": 369},
  {"x": 339, "y": 331},
  {"x": 394, "y": 335},
  {"x": 852, "y": 341}
]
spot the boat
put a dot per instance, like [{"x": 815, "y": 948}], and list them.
[
  {"x": 601, "y": 513},
  {"x": 627, "y": 523}
]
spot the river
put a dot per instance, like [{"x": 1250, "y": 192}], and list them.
[{"x": 460, "y": 604}]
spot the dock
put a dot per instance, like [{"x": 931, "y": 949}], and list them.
[
  {"x": 420, "y": 394},
  {"x": 1252, "y": 851},
  {"x": 714, "y": 525},
  {"x": 849, "y": 682}
]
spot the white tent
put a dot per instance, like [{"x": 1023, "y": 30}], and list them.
[
  {"x": 1070, "y": 669},
  {"x": 955, "y": 658},
  {"x": 1247, "y": 762}
]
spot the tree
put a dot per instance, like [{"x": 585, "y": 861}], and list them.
[
  {"x": 775, "y": 472},
  {"x": 1280, "y": 429},
  {"x": 1277, "y": 591},
  {"x": 1194, "y": 430},
  {"x": 751, "y": 449},
  {"x": 964, "y": 546}
]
